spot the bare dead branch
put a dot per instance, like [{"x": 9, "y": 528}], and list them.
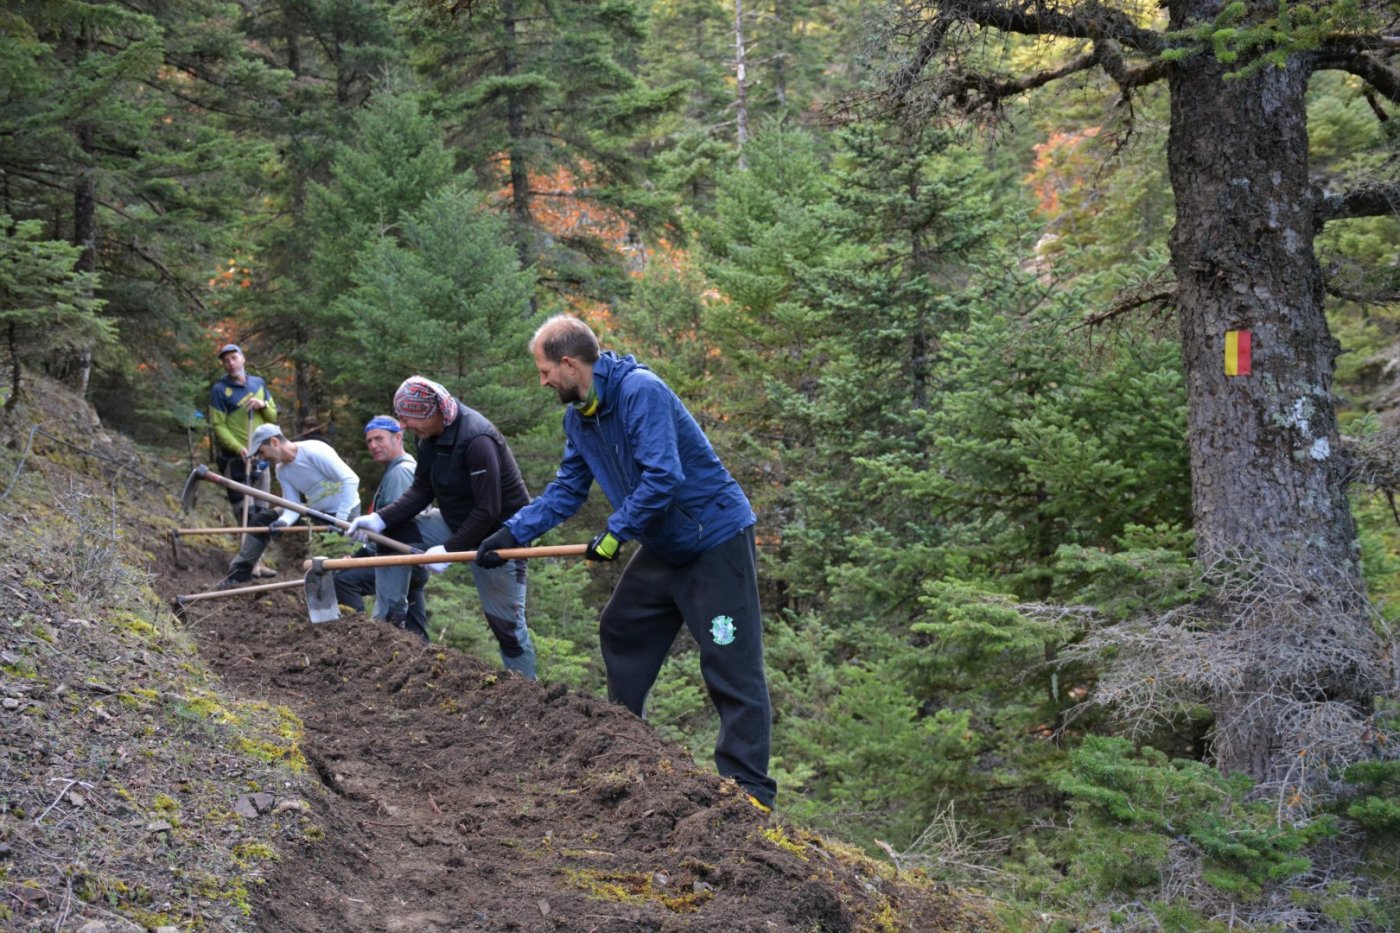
[
  {"x": 1364, "y": 65},
  {"x": 1091, "y": 20},
  {"x": 1160, "y": 297},
  {"x": 1374, "y": 200}
]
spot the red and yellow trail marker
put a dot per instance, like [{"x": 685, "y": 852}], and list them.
[{"x": 1237, "y": 352}]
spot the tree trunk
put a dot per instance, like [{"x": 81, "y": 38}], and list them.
[
  {"x": 741, "y": 82},
  {"x": 1267, "y": 478},
  {"x": 85, "y": 209},
  {"x": 515, "y": 127}
]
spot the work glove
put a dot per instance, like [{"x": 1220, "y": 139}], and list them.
[
  {"x": 437, "y": 568},
  {"x": 371, "y": 523},
  {"x": 486, "y": 556},
  {"x": 603, "y": 547},
  {"x": 275, "y": 528}
]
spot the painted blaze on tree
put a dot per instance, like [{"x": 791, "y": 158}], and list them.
[{"x": 1298, "y": 672}]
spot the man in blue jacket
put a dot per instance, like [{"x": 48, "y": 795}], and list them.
[{"x": 696, "y": 563}]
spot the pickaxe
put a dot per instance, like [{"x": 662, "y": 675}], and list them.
[
  {"x": 322, "y": 605},
  {"x": 203, "y": 472}
]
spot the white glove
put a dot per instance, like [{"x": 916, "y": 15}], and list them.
[
  {"x": 371, "y": 523},
  {"x": 437, "y": 568}
]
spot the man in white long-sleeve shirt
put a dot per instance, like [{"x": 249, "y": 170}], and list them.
[{"x": 307, "y": 471}]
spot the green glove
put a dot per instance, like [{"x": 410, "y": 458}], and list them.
[{"x": 603, "y": 547}]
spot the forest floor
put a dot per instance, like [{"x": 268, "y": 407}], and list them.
[{"x": 242, "y": 768}]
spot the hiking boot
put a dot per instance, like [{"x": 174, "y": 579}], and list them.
[
  {"x": 759, "y": 805},
  {"x": 232, "y": 582},
  {"x": 262, "y": 572}
]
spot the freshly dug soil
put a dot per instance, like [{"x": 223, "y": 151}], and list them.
[{"x": 459, "y": 797}]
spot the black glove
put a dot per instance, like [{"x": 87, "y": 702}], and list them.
[
  {"x": 603, "y": 547},
  {"x": 486, "y": 556},
  {"x": 276, "y": 528}
]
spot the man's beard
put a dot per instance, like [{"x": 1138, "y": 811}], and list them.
[{"x": 568, "y": 396}]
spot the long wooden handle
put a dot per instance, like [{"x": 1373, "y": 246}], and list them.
[
  {"x": 249, "y": 530},
  {"x": 317, "y": 564},
  {"x": 203, "y": 472},
  {"x": 242, "y": 590}
]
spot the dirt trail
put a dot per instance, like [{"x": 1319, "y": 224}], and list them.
[{"x": 458, "y": 797}]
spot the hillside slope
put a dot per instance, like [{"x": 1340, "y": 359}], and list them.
[{"x": 240, "y": 768}]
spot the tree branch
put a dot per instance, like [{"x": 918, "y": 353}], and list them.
[
  {"x": 1162, "y": 296},
  {"x": 971, "y": 91},
  {"x": 1090, "y": 20},
  {"x": 1369, "y": 68},
  {"x": 1378, "y": 200}
]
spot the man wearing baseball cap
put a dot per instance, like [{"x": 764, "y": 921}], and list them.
[
  {"x": 465, "y": 464},
  {"x": 238, "y": 403},
  {"x": 307, "y": 471},
  {"x": 398, "y": 591}
]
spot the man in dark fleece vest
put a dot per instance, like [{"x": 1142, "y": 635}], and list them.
[
  {"x": 696, "y": 564},
  {"x": 466, "y": 466}
]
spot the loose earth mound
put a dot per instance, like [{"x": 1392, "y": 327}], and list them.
[{"x": 459, "y": 797}]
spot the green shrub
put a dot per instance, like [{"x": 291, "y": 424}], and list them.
[{"x": 1135, "y": 803}]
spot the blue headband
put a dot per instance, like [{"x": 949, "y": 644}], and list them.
[{"x": 383, "y": 423}]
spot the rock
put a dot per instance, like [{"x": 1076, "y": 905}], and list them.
[
  {"x": 292, "y": 803},
  {"x": 263, "y": 801},
  {"x": 244, "y": 807}
]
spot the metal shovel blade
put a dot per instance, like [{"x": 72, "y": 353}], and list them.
[{"x": 321, "y": 604}]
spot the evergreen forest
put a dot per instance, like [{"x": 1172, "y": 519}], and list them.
[{"x": 1055, "y": 346}]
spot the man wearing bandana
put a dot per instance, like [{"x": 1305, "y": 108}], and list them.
[
  {"x": 696, "y": 562},
  {"x": 465, "y": 465}
]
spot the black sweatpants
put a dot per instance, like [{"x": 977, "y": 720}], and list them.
[{"x": 716, "y": 597}]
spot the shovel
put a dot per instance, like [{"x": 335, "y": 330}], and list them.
[
  {"x": 322, "y": 605},
  {"x": 179, "y": 603},
  {"x": 202, "y": 472}
]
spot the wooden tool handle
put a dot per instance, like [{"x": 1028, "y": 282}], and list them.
[
  {"x": 449, "y": 557},
  {"x": 240, "y": 591},
  {"x": 249, "y": 530}
]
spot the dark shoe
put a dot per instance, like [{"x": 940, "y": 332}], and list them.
[{"x": 233, "y": 582}]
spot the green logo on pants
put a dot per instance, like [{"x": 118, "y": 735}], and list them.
[{"x": 722, "y": 630}]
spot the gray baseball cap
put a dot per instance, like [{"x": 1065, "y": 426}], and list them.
[{"x": 261, "y": 434}]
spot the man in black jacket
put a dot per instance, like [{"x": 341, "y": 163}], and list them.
[{"x": 467, "y": 467}]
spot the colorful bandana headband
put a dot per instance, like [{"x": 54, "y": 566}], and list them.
[
  {"x": 383, "y": 423},
  {"x": 419, "y": 398}
]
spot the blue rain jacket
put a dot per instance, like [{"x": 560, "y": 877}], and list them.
[{"x": 667, "y": 487}]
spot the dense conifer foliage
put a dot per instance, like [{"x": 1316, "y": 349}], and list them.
[{"x": 1064, "y": 597}]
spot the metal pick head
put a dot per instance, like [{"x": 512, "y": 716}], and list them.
[{"x": 191, "y": 490}]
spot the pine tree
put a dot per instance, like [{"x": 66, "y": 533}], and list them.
[
  {"x": 544, "y": 103},
  {"x": 45, "y": 303},
  {"x": 123, "y": 143},
  {"x": 443, "y": 297}
]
